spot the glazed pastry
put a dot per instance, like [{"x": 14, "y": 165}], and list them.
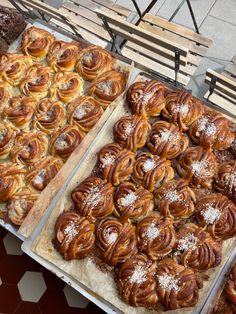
[
  {"x": 176, "y": 285},
  {"x": 131, "y": 132},
  {"x": 116, "y": 241},
  {"x": 115, "y": 164},
  {"x": 233, "y": 147},
  {"x": 175, "y": 199},
  {"x": 13, "y": 67},
  {"x": 156, "y": 236},
  {"x": 49, "y": 115},
  {"x": 230, "y": 288},
  {"x": 166, "y": 140},
  {"x": 84, "y": 111},
  {"x": 132, "y": 202},
  {"x": 74, "y": 236},
  {"x": 37, "y": 81},
  {"x": 65, "y": 140},
  {"x": 43, "y": 171},
  {"x": 12, "y": 176},
  {"x": 182, "y": 109},
  {"x": 36, "y": 42},
  {"x": 212, "y": 130},
  {"x": 197, "y": 165},
  {"x": 151, "y": 171},
  {"x": 146, "y": 98},
  {"x": 93, "y": 198},
  {"x": 107, "y": 87},
  {"x": 20, "y": 111},
  {"x": 225, "y": 179},
  {"x": 62, "y": 55},
  {"x": 5, "y": 94},
  {"x": 136, "y": 281},
  {"x": 197, "y": 248},
  {"x": 29, "y": 147},
  {"x": 66, "y": 86},
  {"x": 93, "y": 61},
  {"x": 20, "y": 204},
  {"x": 7, "y": 137},
  {"x": 218, "y": 214}
]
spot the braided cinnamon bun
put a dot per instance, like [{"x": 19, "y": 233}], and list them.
[
  {"x": 49, "y": 114},
  {"x": 11, "y": 179},
  {"x": 146, "y": 98},
  {"x": 166, "y": 140},
  {"x": 230, "y": 288},
  {"x": 175, "y": 199},
  {"x": 84, "y": 111},
  {"x": 74, "y": 236},
  {"x": 212, "y": 130},
  {"x": 62, "y": 55},
  {"x": 116, "y": 241},
  {"x": 13, "y": 67},
  {"x": 225, "y": 179},
  {"x": 43, "y": 171},
  {"x": 7, "y": 137},
  {"x": 36, "y": 42},
  {"x": 20, "y": 204},
  {"x": 93, "y": 61},
  {"x": 136, "y": 281},
  {"x": 20, "y": 111},
  {"x": 65, "y": 140},
  {"x": 132, "y": 202},
  {"x": 218, "y": 214},
  {"x": 197, "y": 248},
  {"x": 151, "y": 171},
  {"x": 182, "y": 109},
  {"x": 176, "y": 285},
  {"x": 29, "y": 147},
  {"x": 156, "y": 236},
  {"x": 198, "y": 165},
  {"x": 131, "y": 132},
  {"x": 107, "y": 87},
  {"x": 93, "y": 198},
  {"x": 5, "y": 94},
  {"x": 233, "y": 146}
]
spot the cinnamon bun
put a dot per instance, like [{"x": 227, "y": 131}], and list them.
[
  {"x": 230, "y": 288},
  {"x": 7, "y": 137},
  {"x": 5, "y": 94}
]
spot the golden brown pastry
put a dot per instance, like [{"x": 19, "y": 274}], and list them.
[
  {"x": 19, "y": 111},
  {"x": 146, "y": 98},
  {"x": 218, "y": 214},
  {"x": 166, "y": 140},
  {"x": 36, "y": 42},
  {"x": 29, "y": 147},
  {"x": 49, "y": 115},
  {"x": 230, "y": 288},
  {"x": 36, "y": 81},
  {"x": 13, "y": 67},
  {"x": 65, "y": 140},
  {"x": 155, "y": 235},
  {"x": 116, "y": 241},
  {"x": 131, "y": 132},
  {"x": 66, "y": 86},
  {"x": 233, "y": 146},
  {"x": 7, "y": 137},
  {"x": 74, "y": 236},
  {"x": 197, "y": 248},
  {"x": 84, "y": 111},
  {"x": 107, "y": 87},
  {"x": 225, "y": 179},
  {"x": 175, "y": 199},
  {"x": 176, "y": 285},
  {"x": 93, "y": 198},
  {"x": 132, "y": 202},
  {"x": 212, "y": 130},
  {"x": 197, "y": 165},
  {"x": 20, "y": 204},
  {"x": 5, "y": 94},
  {"x": 182, "y": 109},
  {"x": 62, "y": 55},
  {"x": 151, "y": 171},
  {"x": 136, "y": 281},
  {"x": 115, "y": 164},
  {"x": 93, "y": 61},
  {"x": 43, "y": 171}
]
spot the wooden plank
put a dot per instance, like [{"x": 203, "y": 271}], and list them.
[
  {"x": 231, "y": 68},
  {"x": 222, "y": 89},
  {"x": 114, "y": 7},
  {"x": 222, "y": 79},
  {"x": 221, "y": 102},
  {"x": 177, "y": 29},
  {"x": 228, "y": 75}
]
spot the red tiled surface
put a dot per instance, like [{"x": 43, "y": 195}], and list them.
[{"x": 27, "y": 288}]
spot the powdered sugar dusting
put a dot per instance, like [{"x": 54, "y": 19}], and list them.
[
  {"x": 168, "y": 282},
  {"x": 93, "y": 198},
  {"x": 2, "y": 134},
  {"x": 231, "y": 181},
  {"x": 210, "y": 129},
  {"x": 188, "y": 243},
  {"x": 211, "y": 215},
  {"x": 202, "y": 123},
  {"x": 108, "y": 160},
  {"x": 80, "y": 112},
  {"x": 61, "y": 143},
  {"x": 40, "y": 177},
  {"x": 128, "y": 200},
  {"x": 128, "y": 128},
  {"x": 149, "y": 164},
  {"x": 200, "y": 168},
  {"x": 152, "y": 232},
  {"x": 70, "y": 231},
  {"x": 88, "y": 57},
  {"x": 181, "y": 108},
  {"x": 111, "y": 237},
  {"x": 139, "y": 275},
  {"x": 146, "y": 96},
  {"x": 172, "y": 196},
  {"x": 106, "y": 87}
]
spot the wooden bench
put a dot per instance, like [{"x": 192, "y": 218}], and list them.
[{"x": 230, "y": 69}]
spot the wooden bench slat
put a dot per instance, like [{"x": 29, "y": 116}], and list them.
[
  {"x": 222, "y": 79},
  {"x": 222, "y": 89},
  {"x": 114, "y": 7},
  {"x": 231, "y": 68},
  {"x": 229, "y": 75},
  {"x": 221, "y": 102}
]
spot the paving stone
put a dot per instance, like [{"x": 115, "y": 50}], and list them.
[
  {"x": 74, "y": 298},
  {"x": 12, "y": 244},
  {"x": 225, "y": 10}
]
